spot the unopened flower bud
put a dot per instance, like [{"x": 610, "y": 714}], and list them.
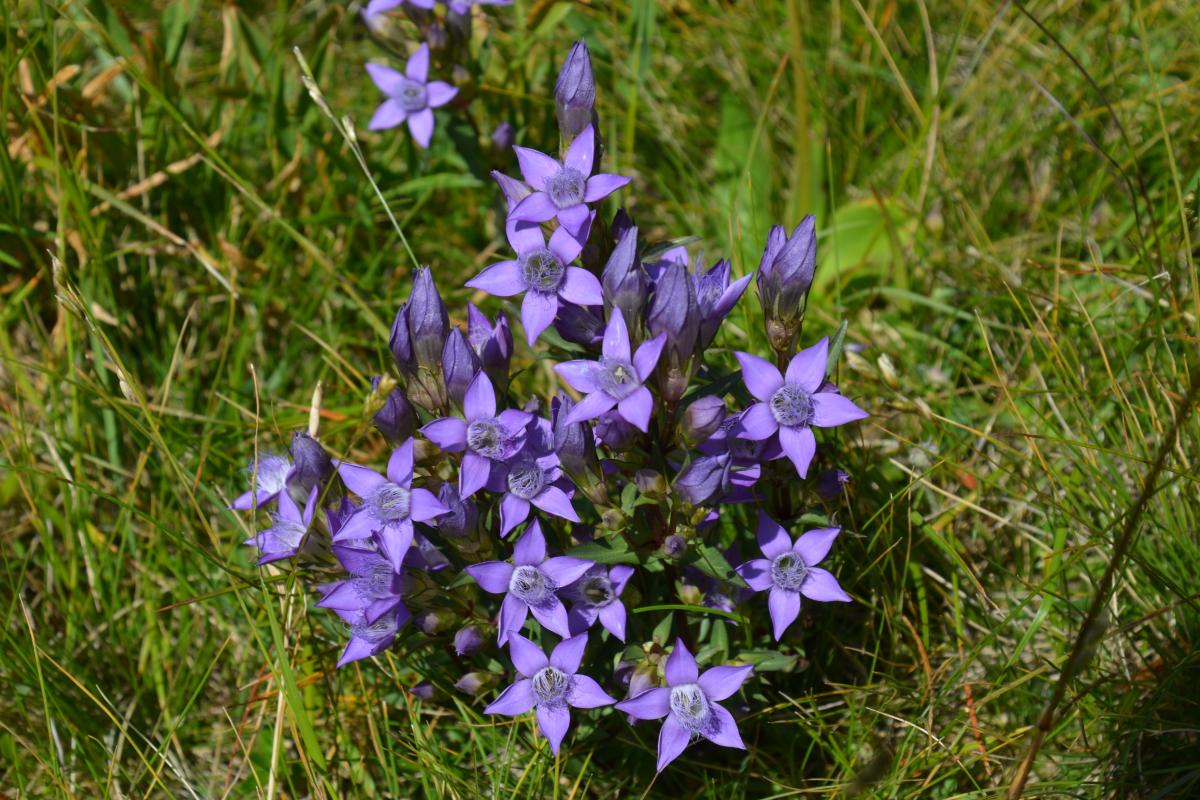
[
  {"x": 431, "y": 622},
  {"x": 504, "y": 137},
  {"x": 831, "y": 484},
  {"x": 400, "y": 343},
  {"x": 395, "y": 419},
  {"x": 311, "y": 467},
  {"x": 690, "y": 594},
  {"x": 651, "y": 483},
  {"x": 612, "y": 519},
  {"x": 673, "y": 311},
  {"x": 459, "y": 365},
  {"x": 468, "y": 640},
  {"x": 674, "y": 547},
  {"x": 493, "y": 344},
  {"x": 614, "y": 431},
  {"x": 422, "y": 691},
  {"x": 428, "y": 323},
  {"x": 461, "y": 519},
  {"x": 576, "y": 449},
  {"x": 575, "y": 92},
  {"x": 624, "y": 279},
  {"x": 578, "y": 325},
  {"x": 702, "y": 419},
  {"x": 785, "y": 274},
  {"x": 474, "y": 683},
  {"x": 715, "y": 298},
  {"x": 703, "y": 478}
]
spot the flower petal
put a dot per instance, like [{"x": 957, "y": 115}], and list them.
[
  {"x": 757, "y": 573},
  {"x": 759, "y": 375},
  {"x": 516, "y": 699},
  {"x": 400, "y": 464},
  {"x": 637, "y": 408},
  {"x": 537, "y": 207},
  {"x": 807, "y": 368},
  {"x": 492, "y": 576},
  {"x": 526, "y": 656},
  {"x": 387, "y": 79},
  {"x": 513, "y": 612},
  {"x": 564, "y": 245},
  {"x": 553, "y": 722},
  {"x": 567, "y": 655},
  {"x": 757, "y": 423},
  {"x": 554, "y": 500},
  {"x": 581, "y": 287},
  {"x": 480, "y": 399},
  {"x": 417, "y": 68},
  {"x": 724, "y": 730},
  {"x": 590, "y": 407},
  {"x": 646, "y": 357},
  {"x": 773, "y": 540},
  {"x": 721, "y": 682},
  {"x": 580, "y": 374},
  {"x": 553, "y": 616},
  {"x": 500, "y": 280},
  {"x": 672, "y": 740},
  {"x": 513, "y": 511},
  {"x": 439, "y": 93},
  {"x": 831, "y": 409},
  {"x": 616, "y": 337},
  {"x": 536, "y": 166},
  {"x": 586, "y": 693},
  {"x": 448, "y": 433},
  {"x": 582, "y": 151},
  {"x": 681, "y": 665},
  {"x": 360, "y": 480},
  {"x": 820, "y": 585},
  {"x": 537, "y": 312},
  {"x": 530, "y": 549},
  {"x": 473, "y": 474},
  {"x": 576, "y": 220},
  {"x": 814, "y": 545},
  {"x": 612, "y": 617},
  {"x": 800, "y": 446},
  {"x": 784, "y": 607},
  {"x": 650, "y": 704},
  {"x": 619, "y": 575},
  {"x": 602, "y": 185},
  {"x": 420, "y": 125},
  {"x": 388, "y": 115},
  {"x": 424, "y": 505},
  {"x": 394, "y": 540},
  {"x": 564, "y": 570}
]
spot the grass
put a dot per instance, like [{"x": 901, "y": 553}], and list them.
[{"x": 1006, "y": 195}]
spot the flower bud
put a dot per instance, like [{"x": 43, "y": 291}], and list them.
[
  {"x": 514, "y": 190},
  {"x": 504, "y": 137},
  {"x": 425, "y": 555},
  {"x": 395, "y": 419},
  {"x": 703, "y": 478},
  {"x": 462, "y": 517},
  {"x": 673, "y": 311},
  {"x": 575, "y": 93},
  {"x": 401, "y": 344},
  {"x": 459, "y": 365},
  {"x": 468, "y": 640},
  {"x": 715, "y": 298},
  {"x": 576, "y": 450},
  {"x": 422, "y": 691},
  {"x": 311, "y": 467},
  {"x": 431, "y": 622},
  {"x": 831, "y": 484},
  {"x": 785, "y": 274},
  {"x": 674, "y": 547},
  {"x": 690, "y": 594},
  {"x": 624, "y": 279},
  {"x": 428, "y": 323},
  {"x": 621, "y": 223},
  {"x": 701, "y": 419},
  {"x": 612, "y": 519},
  {"x": 492, "y": 343},
  {"x": 651, "y": 483},
  {"x": 474, "y": 683},
  {"x": 612, "y": 429},
  {"x": 578, "y": 325}
]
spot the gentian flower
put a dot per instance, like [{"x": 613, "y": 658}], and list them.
[
  {"x": 461, "y": 518},
  {"x": 785, "y": 274},
  {"x": 542, "y": 273},
  {"x": 674, "y": 313},
  {"x": 311, "y": 466},
  {"x": 493, "y": 344},
  {"x": 504, "y": 137},
  {"x": 529, "y": 584},
  {"x": 625, "y": 281},
  {"x": 369, "y": 601},
  {"x": 514, "y": 191},
  {"x": 549, "y": 685},
  {"x": 613, "y": 431},
  {"x": 715, "y": 298},
  {"x": 534, "y": 477},
  {"x": 460, "y": 365},
  {"x": 579, "y": 324},
  {"x": 270, "y": 477},
  {"x": 286, "y": 535},
  {"x": 704, "y": 477},
  {"x": 411, "y": 96},
  {"x": 576, "y": 449},
  {"x": 562, "y": 190},
  {"x": 575, "y": 92},
  {"x": 701, "y": 419},
  {"x": 830, "y": 484},
  {"x": 390, "y": 505},
  {"x": 689, "y": 703},
  {"x": 468, "y": 641},
  {"x": 790, "y": 570},
  {"x": 396, "y": 418},
  {"x": 597, "y": 596},
  {"x": 793, "y": 403},
  {"x": 615, "y": 380},
  {"x": 486, "y": 437}
]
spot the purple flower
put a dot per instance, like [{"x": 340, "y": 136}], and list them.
[
  {"x": 534, "y": 477},
  {"x": 579, "y": 324},
  {"x": 689, "y": 703},
  {"x": 485, "y": 437},
  {"x": 390, "y": 505},
  {"x": 504, "y": 136},
  {"x": 287, "y": 533},
  {"x": 790, "y": 570},
  {"x": 493, "y": 344},
  {"x": 461, "y": 518},
  {"x": 615, "y": 380},
  {"x": 785, "y": 274},
  {"x": 369, "y": 600},
  {"x": 673, "y": 312},
  {"x": 791, "y": 404},
  {"x": 459, "y": 365},
  {"x": 411, "y": 96},
  {"x": 831, "y": 484},
  {"x": 597, "y": 596},
  {"x": 715, "y": 298},
  {"x": 514, "y": 190},
  {"x": 311, "y": 466},
  {"x": 704, "y": 477},
  {"x": 613, "y": 431},
  {"x": 625, "y": 281},
  {"x": 395, "y": 419},
  {"x": 376, "y": 7},
  {"x": 529, "y": 584},
  {"x": 702, "y": 418},
  {"x": 468, "y": 641},
  {"x": 575, "y": 92},
  {"x": 270, "y": 477},
  {"x": 562, "y": 190},
  {"x": 576, "y": 449},
  {"x": 542, "y": 273},
  {"x": 549, "y": 685}
]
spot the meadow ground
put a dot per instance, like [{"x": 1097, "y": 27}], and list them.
[{"x": 1006, "y": 199}]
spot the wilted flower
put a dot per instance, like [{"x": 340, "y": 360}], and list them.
[
  {"x": 791, "y": 405},
  {"x": 596, "y": 596},
  {"x": 575, "y": 92},
  {"x": 563, "y": 190},
  {"x": 411, "y": 96},
  {"x": 287, "y": 533},
  {"x": 616, "y": 379},
  {"x": 785, "y": 274},
  {"x": 790, "y": 570},
  {"x": 485, "y": 437},
  {"x": 395, "y": 419},
  {"x": 542, "y": 273},
  {"x": 550, "y": 685},
  {"x": 689, "y": 703},
  {"x": 459, "y": 365},
  {"x": 389, "y": 505},
  {"x": 269, "y": 476},
  {"x": 529, "y": 583}
]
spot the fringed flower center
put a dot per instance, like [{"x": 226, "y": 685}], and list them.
[
  {"x": 486, "y": 437},
  {"x": 791, "y": 406},
  {"x": 542, "y": 271},
  {"x": 389, "y": 503},
  {"x": 289, "y": 533},
  {"x": 374, "y": 632},
  {"x": 690, "y": 706},
  {"x": 788, "y": 571},
  {"x": 566, "y": 187},
  {"x": 618, "y": 379},
  {"x": 412, "y": 96},
  {"x": 272, "y": 473},
  {"x": 530, "y": 585},
  {"x": 550, "y": 686},
  {"x": 597, "y": 591},
  {"x": 526, "y": 480}
]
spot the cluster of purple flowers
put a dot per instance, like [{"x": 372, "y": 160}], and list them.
[
  {"x": 587, "y": 477},
  {"x": 410, "y": 96}
]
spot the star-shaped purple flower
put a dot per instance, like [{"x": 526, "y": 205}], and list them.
[
  {"x": 487, "y": 437},
  {"x": 791, "y": 404},
  {"x": 562, "y": 190},
  {"x": 615, "y": 380},
  {"x": 790, "y": 570},
  {"x": 390, "y": 505},
  {"x": 550, "y": 685},
  {"x": 270, "y": 477},
  {"x": 286, "y": 535},
  {"x": 597, "y": 595},
  {"x": 541, "y": 272},
  {"x": 535, "y": 478},
  {"x": 689, "y": 703},
  {"x": 368, "y": 601},
  {"x": 411, "y": 96},
  {"x": 529, "y": 584}
]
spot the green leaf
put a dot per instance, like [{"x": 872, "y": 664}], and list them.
[
  {"x": 769, "y": 660},
  {"x": 711, "y": 562},
  {"x": 691, "y": 610},
  {"x": 603, "y": 553},
  {"x": 836, "y": 344}
]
